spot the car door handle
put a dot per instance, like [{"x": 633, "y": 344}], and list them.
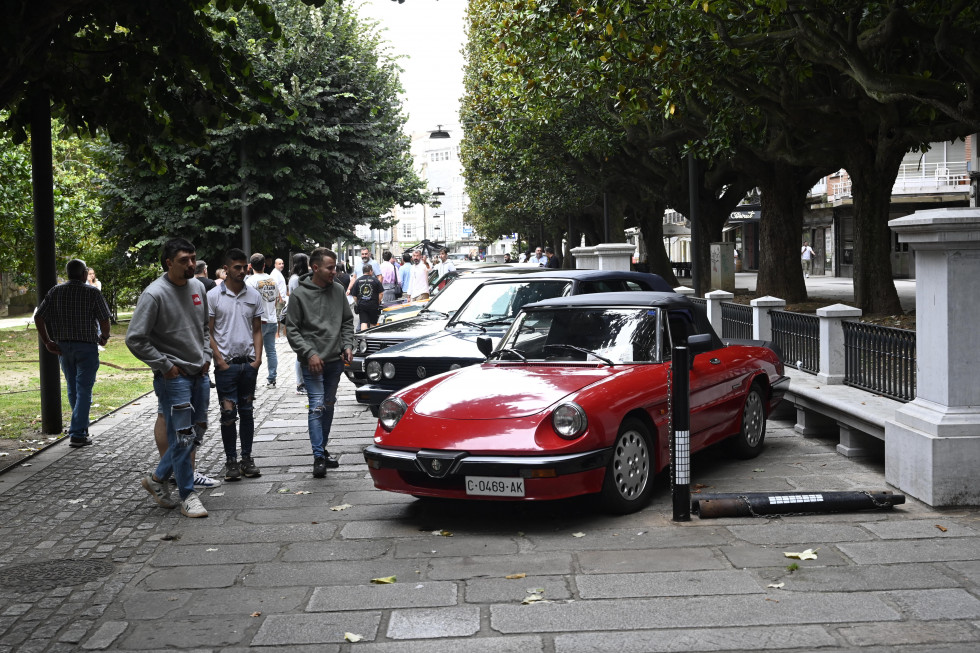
[{"x": 715, "y": 361}]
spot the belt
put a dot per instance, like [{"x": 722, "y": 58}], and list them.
[{"x": 240, "y": 360}]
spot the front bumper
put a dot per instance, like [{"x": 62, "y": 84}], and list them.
[
  {"x": 372, "y": 395},
  {"x": 779, "y": 389},
  {"x": 428, "y": 472}
]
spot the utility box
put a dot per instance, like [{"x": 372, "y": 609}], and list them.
[{"x": 723, "y": 266}]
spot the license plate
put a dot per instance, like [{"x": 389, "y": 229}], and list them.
[{"x": 494, "y": 486}]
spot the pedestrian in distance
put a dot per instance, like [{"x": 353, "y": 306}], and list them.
[
  {"x": 201, "y": 272},
  {"x": 275, "y": 271},
  {"x": 169, "y": 332},
  {"x": 444, "y": 265},
  {"x": 367, "y": 260},
  {"x": 73, "y": 323},
  {"x": 538, "y": 258},
  {"x": 271, "y": 291},
  {"x": 219, "y": 276},
  {"x": 301, "y": 266},
  {"x": 418, "y": 285},
  {"x": 806, "y": 257},
  {"x": 367, "y": 295},
  {"x": 235, "y": 322},
  {"x": 92, "y": 280},
  {"x": 320, "y": 329},
  {"x": 405, "y": 274},
  {"x": 389, "y": 279},
  {"x": 553, "y": 261}
]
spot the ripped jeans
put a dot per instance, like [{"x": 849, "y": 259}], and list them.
[
  {"x": 236, "y": 392},
  {"x": 321, "y": 390},
  {"x": 183, "y": 400}
]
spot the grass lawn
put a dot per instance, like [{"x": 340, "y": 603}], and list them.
[{"x": 121, "y": 379}]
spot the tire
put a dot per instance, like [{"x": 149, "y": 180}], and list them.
[
  {"x": 748, "y": 442},
  {"x": 628, "y": 484},
  {"x": 374, "y": 410}
]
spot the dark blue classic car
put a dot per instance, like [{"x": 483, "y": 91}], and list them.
[{"x": 488, "y": 311}]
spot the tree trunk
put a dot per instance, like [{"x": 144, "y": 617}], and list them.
[
  {"x": 650, "y": 220},
  {"x": 780, "y": 231},
  {"x": 872, "y": 180}
]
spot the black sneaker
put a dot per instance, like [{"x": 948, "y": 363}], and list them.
[
  {"x": 232, "y": 471},
  {"x": 332, "y": 462},
  {"x": 249, "y": 470},
  {"x": 271, "y": 384},
  {"x": 319, "y": 467},
  {"x": 79, "y": 442},
  {"x": 301, "y": 389}
]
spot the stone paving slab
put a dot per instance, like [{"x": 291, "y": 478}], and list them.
[{"x": 888, "y": 581}]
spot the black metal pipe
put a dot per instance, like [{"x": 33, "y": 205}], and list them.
[
  {"x": 753, "y": 504},
  {"x": 680, "y": 436},
  {"x": 42, "y": 178}
]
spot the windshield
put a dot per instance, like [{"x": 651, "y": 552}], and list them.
[
  {"x": 619, "y": 335},
  {"x": 499, "y": 302},
  {"x": 452, "y": 296}
]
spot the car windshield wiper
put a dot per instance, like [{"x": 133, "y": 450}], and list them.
[
  {"x": 472, "y": 324},
  {"x": 499, "y": 320},
  {"x": 428, "y": 311},
  {"x": 581, "y": 349},
  {"x": 508, "y": 350}
]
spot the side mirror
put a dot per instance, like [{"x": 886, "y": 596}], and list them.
[
  {"x": 485, "y": 345},
  {"x": 698, "y": 345}
]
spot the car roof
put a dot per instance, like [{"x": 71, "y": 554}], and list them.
[
  {"x": 653, "y": 280},
  {"x": 640, "y": 299}
]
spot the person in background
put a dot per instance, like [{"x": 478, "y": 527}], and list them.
[
  {"x": 389, "y": 279},
  {"x": 271, "y": 293},
  {"x": 320, "y": 329},
  {"x": 806, "y": 257},
  {"x": 367, "y": 295},
  {"x": 301, "y": 268},
  {"x": 235, "y": 323},
  {"x": 73, "y": 323},
  {"x": 418, "y": 286},
  {"x": 91, "y": 280},
  {"x": 538, "y": 258},
  {"x": 219, "y": 276},
  {"x": 201, "y": 274},
  {"x": 553, "y": 260},
  {"x": 444, "y": 265},
  {"x": 507, "y": 258},
  {"x": 405, "y": 274},
  {"x": 275, "y": 271}
]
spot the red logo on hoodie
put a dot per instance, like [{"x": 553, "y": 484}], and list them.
[{"x": 197, "y": 299}]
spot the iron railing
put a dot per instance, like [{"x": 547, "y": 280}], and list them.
[
  {"x": 700, "y": 301},
  {"x": 798, "y": 336},
  {"x": 880, "y": 359},
  {"x": 736, "y": 320}
]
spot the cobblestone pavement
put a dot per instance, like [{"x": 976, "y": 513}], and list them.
[{"x": 89, "y": 562}]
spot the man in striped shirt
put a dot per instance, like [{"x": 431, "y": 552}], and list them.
[{"x": 73, "y": 322}]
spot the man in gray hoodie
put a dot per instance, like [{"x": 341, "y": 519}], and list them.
[
  {"x": 320, "y": 329},
  {"x": 169, "y": 332}
]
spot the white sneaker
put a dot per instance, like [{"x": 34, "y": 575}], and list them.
[
  {"x": 202, "y": 482},
  {"x": 159, "y": 491},
  {"x": 192, "y": 506}
]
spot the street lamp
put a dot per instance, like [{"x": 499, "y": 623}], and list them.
[
  {"x": 436, "y": 227},
  {"x": 439, "y": 133}
]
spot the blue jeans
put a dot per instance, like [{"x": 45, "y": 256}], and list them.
[
  {"x": 236, "y": 392},
  {"x": 80, "y": 362},
  {"x": 184, "y": 404},
  {"x": 321, "y": 390},
  {"x": 269, "y": 330}
]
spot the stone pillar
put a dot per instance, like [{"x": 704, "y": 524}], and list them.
[
  {"x": 715, "y": 298},
  {"x": 615, "y": 256},
  {"x": 723, "y": 266},
  {"x": 684, "y": 290},
  {"x": 932, "y": 447},
  {"x": 585, "y": 258},
  {"x": 761, "y": 320},
  {"x": 832, "y": 342}
]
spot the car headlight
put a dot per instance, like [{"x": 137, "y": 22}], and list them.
[
  {"x": 391, "y": 410},
  {"x": 569, "y": 420},
  {"x": 388, "y": 369},
  {"x": 361, "y": 345},
  {"x": 373, "y": 371}
]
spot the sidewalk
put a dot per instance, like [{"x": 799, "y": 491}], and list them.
[{"x": 88, "y": 561}]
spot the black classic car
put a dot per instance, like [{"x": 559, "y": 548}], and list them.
[
  {"x": 430, "y": 319},
  {"x": 488, "y": 311}
]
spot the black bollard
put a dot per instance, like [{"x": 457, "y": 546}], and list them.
[
  {"x": 754, "y": 504},
  {"x": 680, "y": 436}
]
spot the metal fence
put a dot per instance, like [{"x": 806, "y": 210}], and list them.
[
  {"x": 700, "y": 301},
  {"x": 736, "y": 320},
  {"x": 880, "y": 359},
  {"x": 798, "y": 336}
]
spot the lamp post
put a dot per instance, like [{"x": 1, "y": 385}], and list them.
[{"x": 437, "y": 228}]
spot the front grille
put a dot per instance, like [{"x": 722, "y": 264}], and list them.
[
  {"x": 418, "y": 479},
  {"x": 374, "y": 345}
]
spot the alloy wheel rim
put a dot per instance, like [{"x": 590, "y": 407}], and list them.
[
  {"x": 631, "y": 465},
  {"x": 753, "y": 419}
]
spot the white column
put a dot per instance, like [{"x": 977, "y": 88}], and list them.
[
  {"x": 585, "y": 258},
  {"x": 932, "y": 448},
  {"x": 832, "y": 342},
  {"x": 615, "y": 256},
  {"x": 715, "y": 298},
  {"x": 761, "y": 320},
  {"x": 684, "y": 290}
]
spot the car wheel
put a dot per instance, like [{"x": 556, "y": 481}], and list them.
[
  {"x": 374, "y": 410},
  {"x": 747, "y": 443},
  {"x": 629, "y": 476}
]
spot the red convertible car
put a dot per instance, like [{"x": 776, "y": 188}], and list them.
[{"x": 574, "y": 400}]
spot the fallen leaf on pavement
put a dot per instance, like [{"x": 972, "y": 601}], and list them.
[
  {"x": 343, "y": 506},
  {"x": 443, "y": 533},
  {"x": 301, "y": 492},
  {"x": 942, "y": 528},
  {"x": 351, "y": 637},
  {"x": 283, "y": 490},
  {"x": 578, "y": 534},
  {"x": 387, "y": 580},
  {"x": 212, "y": 549},
  {"x": 776, "y": 586},
  {"x": 217, "y": 494},
  {"x": 758, "y": 469},
  {"x": 255, "y": 614},
  {"x": 515, "y": 576},
  {"x": 534, "y": 598},
  {"x": 809, "y": 554}
]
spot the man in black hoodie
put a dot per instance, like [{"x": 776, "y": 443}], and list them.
[{"x": 320, "y": 329}]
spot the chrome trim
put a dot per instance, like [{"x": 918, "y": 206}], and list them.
[{"x": 489, "y": 465}]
